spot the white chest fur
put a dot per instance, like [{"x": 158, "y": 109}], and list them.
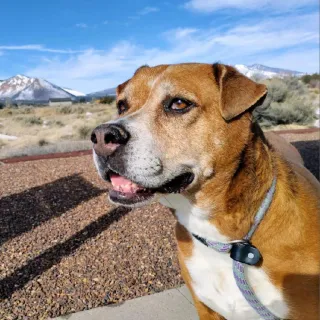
[{"x": 211, "y": 271}]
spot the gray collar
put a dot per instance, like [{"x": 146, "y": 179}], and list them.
[{"x": 243, "y": 252}]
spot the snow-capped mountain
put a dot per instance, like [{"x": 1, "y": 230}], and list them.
[
  {"x": 23, "y": 88},
  {"x": 41, "y": 90},
  {"x": 264, "y": 72},
  {"x": 75, "y": 93},
  {"x": 11, "y": 86},
  {"x": 103, "y": 93}
]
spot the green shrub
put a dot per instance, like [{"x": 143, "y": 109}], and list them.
[
  {"x": 43, "y": 142},
  {"x": 310, "y": 77},
  {"x": 295, "y": 85},
  {"x": 58, "y": 123},
  {"x": 26, "y": 110},
  {"x": 107, "y": 99},
  {"x": 64, "y": 109},
  {"x": 84, "y": 131},
  {"x": 70, "y": 109},
  {"x": 79, "y": 109},
  {"x": 287, "y": 102},
  {"x": 30, "y": 121},
  {"x": 277, "y": 90},
  {"x": 293, "y": 111}
]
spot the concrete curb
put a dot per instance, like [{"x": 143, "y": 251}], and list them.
[{"x": 175, "y": 304}]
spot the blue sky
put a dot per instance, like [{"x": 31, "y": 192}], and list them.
[{"x": 93, "y": 45}]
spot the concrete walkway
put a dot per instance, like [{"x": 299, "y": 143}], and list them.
[{"x": 175, "y": 304}]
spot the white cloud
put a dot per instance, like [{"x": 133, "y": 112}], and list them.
[
  {"x": 306, "y": 60},
  {"x": 148, "y": 10},
  {"x": 37, "y": 47},
  {"x": 179, "y": 33},
  {"x": 278, "y": 5},
  {"x": 289, "y": 43},
  {"x": 81, "y": 25}
]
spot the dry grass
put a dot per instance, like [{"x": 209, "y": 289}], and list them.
[{"x": 50, "y": 129}]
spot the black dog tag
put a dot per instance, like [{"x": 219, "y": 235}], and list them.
[{"x": 245, "y": 252}]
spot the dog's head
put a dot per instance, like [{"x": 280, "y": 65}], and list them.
[{"x": 178, "y": 127}]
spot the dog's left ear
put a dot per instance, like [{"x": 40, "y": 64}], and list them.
[{"x": 237, "y": 92}]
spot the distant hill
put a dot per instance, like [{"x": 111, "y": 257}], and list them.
[
  {"x": 12, "y": 86},
  {"x": 33, "y": 90},
  {"x": 264, "y": 72},
  {"x": 41, "y": 90},
  {"x": 74, "y": 92},
  {"x": 103, "y": 93}
]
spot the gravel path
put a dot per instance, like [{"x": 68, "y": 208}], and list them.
[{"x": 63, "y": 248}]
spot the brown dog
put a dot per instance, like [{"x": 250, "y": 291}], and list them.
[{"x": 185, "y": 136}]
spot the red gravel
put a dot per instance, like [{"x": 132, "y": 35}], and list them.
[{"x": 65, "y": 249}]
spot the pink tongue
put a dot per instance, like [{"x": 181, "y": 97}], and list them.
[{"x": 124, "y": 185}]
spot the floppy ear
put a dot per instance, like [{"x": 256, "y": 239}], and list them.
[
  {"x": 237, "y": 92},
  {"x": 121, "y": 86}
]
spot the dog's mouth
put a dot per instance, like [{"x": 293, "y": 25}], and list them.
[{"x": 127, "y": 192}]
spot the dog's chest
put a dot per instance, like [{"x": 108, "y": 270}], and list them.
[
  {"x": 214, "y": 284},
  {"x": 212, "y": 275}
]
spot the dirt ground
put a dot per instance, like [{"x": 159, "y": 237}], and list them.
[{"x": 63, "y": 248}]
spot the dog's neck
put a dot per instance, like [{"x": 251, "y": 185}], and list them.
[{"x": 224, "y": 208}]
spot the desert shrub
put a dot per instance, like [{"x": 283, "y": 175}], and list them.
[
  {"x": 286, "y": 103},
  {"x": 79, "y": 109},
  {"x": 308, "y": 78},
  {"x": 26, "y": 110},
  {"x": 43, "y": 142},
  {"x": 295, "y": 85},
  {"x": 277, "y": 90},
  {"x": 6, "y": 112},
  {"x": 84, "y": 131},
  {"x": 107, "y": 99},
  {"x": 64, "y": 109},
  {"x": 70, "y": 109},
  {"x": 315, "y": 84},
  {"x": 294, "y": 110},
  {"x": 58, "y": 123},
  {"x": 31, "y": 121}
]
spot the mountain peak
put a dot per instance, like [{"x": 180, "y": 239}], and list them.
[
  {"x": 264, "y": 72},
  {"x": 21, "y": 87}
]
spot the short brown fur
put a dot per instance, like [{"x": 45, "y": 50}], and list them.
[{"x": 238, "y": 165}]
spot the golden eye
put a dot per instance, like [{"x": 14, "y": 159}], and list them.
[{"x": 179, "y": 105}]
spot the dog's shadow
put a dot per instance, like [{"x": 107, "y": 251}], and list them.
[
  {"x": 310, "y": 152},
  {"x": 24, "y": 211}
]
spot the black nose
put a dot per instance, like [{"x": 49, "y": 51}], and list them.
[{"x": 107, "y": 138}]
